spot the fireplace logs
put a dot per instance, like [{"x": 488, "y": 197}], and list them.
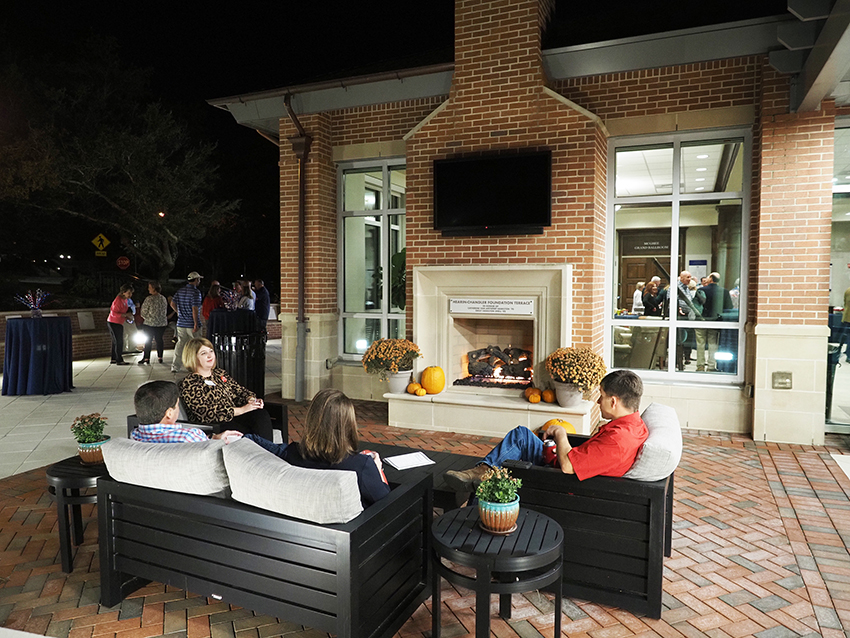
[{"x": 498, "y": 367}]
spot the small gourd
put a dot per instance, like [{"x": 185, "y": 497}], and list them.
[
  {"x": 534, "y": 398},
  {"x": 420, "y": 392},
  {"x": 549, "y": 396},
  {"x": 413, "y": 387},
  {"x": 529, "y": 391},
  {"x": 433, "y": 379}
]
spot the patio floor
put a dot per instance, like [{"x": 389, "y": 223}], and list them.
[{"x": 759, "y": 549}]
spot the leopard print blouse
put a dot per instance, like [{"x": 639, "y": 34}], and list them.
[{"x": 211, "y": 400}]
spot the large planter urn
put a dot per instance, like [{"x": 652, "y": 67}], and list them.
[
  {"x": 568, "y": 394},
  {"x": 498, "y": 518},
  {"x": 398, "y": 381},
  {"x": 90, "y": 453}
]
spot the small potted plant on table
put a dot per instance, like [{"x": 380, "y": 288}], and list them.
[
  {"x": 392, "y": 360},
  {"x": 88, "y": 430},
  {"x": 574, "y": 372},
  {"x": 498, "y": 501}
]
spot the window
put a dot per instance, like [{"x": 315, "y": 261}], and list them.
[
  {"x": 679, "y": 253},
  {"x": 371, "y": 245}
]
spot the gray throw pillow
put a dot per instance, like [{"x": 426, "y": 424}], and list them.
[
  {"x": 259, "y": 478},
  {"x": 662, "y": 450},
  {"x": 191, "y": 468}
]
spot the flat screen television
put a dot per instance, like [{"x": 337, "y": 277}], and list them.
[{"x": 493, "y": 195}]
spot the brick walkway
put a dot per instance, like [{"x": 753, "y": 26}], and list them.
[{"x": 759, "y": 549}]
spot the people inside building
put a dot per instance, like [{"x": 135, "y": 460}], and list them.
[
  {"x": 213, "y": 397},
  {"x": 637, "y": 298},
  {"x": 611, "y": 451},
  {"x": 119, "y": 314},
  {"x": 652, "y": 300},
  {"x": 154, "y": 315},
  {"x": 717, "y": 300},
  {"x": 157, "y": 407},
  {"x": 330, "y": 442},
  {"x": 187, "y": 302}
]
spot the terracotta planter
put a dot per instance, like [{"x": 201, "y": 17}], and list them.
[
  {"x": 90, "y": 453},
  {"x": 398, "y": 381},
  {"x": 498, "y": 518}
]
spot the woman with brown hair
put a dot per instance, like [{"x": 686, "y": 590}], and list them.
[{"x": 330, "y": 443}]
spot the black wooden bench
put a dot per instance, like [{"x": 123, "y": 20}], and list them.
[{"x": 361, "y": 579}]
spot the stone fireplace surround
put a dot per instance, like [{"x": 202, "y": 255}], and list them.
[{"x": 486, "y": 411}]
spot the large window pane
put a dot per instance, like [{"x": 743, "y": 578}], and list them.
[
  {"x": 711, "y": 167},
  {"x": 362, "y": 190},
  {"x": 362, "y": 251},
  {"x": 644, "y": 171},
  {"x": 707, "y": 350},
  {"x": 358, "y": 334},
  {"x": 640, "y": 347},
  {"x": 398, "y": 188},
  {"x": 642, "y": 245}
]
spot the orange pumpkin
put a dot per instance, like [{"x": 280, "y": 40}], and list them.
[
  {"x": 534, "y": 398},
  {"x": 564, "y": 424},
  {"x": 420, "y": 392},
  {"x": 529, "y": 390},
  {"x": 413, "y": 387},
  {"x": 433, "y": 379},
  {"x": 549, "y": 396}
]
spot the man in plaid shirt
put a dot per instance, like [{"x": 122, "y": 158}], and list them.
[{"x": 156, "y": 405}]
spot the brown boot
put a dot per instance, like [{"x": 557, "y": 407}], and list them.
[{"x": 467, "y": 480}]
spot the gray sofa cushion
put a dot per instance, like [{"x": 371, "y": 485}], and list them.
[
  {"x": 662, "y": 450},
  {"x": 261, "y": 479},
  {"x": 191, "y": 468}
]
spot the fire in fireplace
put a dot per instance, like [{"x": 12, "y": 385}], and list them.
[{"x": 497, "y": 367}]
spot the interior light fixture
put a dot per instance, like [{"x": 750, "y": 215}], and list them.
[
  {"x": 724, "y": 356},
  {"x": 361, "y": 345},
  {"x": 700, "y": 188},
  {"x": 704, "y": 156},
  {"x": 700, "y": 179},
  {"x": 701, "y": 170}
]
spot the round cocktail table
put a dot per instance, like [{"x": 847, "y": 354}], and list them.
[
  {"x": 529, "y": 558},
  {"x": 65, "y": 479}
]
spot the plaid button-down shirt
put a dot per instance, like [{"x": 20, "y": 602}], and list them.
[{"x": 162, "y": 433}]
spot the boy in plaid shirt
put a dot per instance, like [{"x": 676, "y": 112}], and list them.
[{"x": 157, "y": 409}]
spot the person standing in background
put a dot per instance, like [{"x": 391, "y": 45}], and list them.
[
  {"x": 154, "y": 312},
  {"x": 119, "y": 314},
  {"x": 187, "y": 303},
  {"x": 263, "y": 303}
]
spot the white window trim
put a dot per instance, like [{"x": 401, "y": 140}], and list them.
[
  {"x": 671, "y": 375},
  {"x": 385, "y": 165}
]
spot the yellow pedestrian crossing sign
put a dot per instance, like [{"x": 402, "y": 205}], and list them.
[{"x": 100, "y": 241}]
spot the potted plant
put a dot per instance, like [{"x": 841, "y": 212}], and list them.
[
  {"x": 498, "y": 501},
  {"x": 392, "y": 360},
  {"x": 574, "y": 372},
  {"x": 88, "y": 430}
]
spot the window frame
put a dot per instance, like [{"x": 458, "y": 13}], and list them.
[
  {"x": 384, "y": 214},
  {"x": 675, "y": 199}
]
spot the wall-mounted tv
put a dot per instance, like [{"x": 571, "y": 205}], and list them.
[{"x": 509, "y": 194}]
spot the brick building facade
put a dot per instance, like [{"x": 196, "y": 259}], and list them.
[{"x": 501, "y": 96}]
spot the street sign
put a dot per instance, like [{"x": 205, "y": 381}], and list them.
[
  {"x": 100, "y": 253},
  {"x": 100, "y": 241},
  {"x": 123, "y": 263}
]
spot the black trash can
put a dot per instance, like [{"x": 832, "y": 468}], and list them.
[
  {"x": 244, "y": 357},
  {"x": 240, "y": 347}
]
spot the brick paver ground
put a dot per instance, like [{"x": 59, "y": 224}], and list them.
[{"x": 759, "y": 549}]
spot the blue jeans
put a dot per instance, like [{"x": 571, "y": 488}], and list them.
[{"x": 519, "y": 444}]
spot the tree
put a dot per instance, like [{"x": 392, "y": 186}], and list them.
[{"x": 98, "y": 149}]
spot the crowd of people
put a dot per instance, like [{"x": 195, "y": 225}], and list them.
[
  {"x": 188, "y": 310},
  {"x": 706, "y": 301}
]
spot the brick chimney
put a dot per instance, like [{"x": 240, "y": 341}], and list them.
[{"x": 497, "y": 51}]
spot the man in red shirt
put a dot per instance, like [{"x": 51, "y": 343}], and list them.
[{"x": 609, "y": 452}]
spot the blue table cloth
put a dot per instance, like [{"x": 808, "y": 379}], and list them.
[{"x": 39, "y": 356}]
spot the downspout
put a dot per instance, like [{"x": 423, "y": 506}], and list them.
[{"x": 301, "y": 148}]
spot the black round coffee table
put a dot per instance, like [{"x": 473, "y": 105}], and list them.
[
  {"x": 65, "y": 479},
  {"x": 529, "y": 558}
]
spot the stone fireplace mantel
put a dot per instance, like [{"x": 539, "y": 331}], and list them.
[{"x": 486, "y": 411}]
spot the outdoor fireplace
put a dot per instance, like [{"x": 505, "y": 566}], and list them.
[{"x": 492, "y": 353}]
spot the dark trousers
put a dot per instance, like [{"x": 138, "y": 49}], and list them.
[
  {"x": 254, "y": 422},
  {"x": 154, "y": 333},
  {"x": 116, "y": 331}
]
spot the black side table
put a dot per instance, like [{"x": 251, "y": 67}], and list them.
[
  {"x": 65, "y": 479},
  {"x": 529, "y": 558}
]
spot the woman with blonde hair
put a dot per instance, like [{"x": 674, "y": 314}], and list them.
[
  {"x": 330, "y": 442},
  {"x": 212, "y": 397}
]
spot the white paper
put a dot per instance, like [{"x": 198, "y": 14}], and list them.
[{"x": 407, "y": 461}]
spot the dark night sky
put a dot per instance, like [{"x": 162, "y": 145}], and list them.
[{"x": 204, "y": 50}]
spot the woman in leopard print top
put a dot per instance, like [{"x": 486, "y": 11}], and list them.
[{"x": 211, "y": 396}]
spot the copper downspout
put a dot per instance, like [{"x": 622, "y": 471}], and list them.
[{"x": 301, "y": 148}]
